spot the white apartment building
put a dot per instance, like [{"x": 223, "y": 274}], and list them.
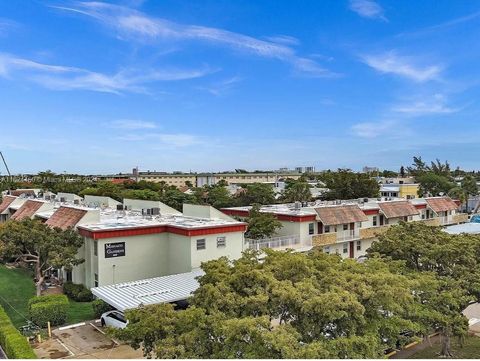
[
  {"x": 141, "y": 239},
  {"x": 345, "y": 227}
]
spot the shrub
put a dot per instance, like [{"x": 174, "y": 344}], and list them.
[
  {"x": 77, "y": 292},
  {"x": 13, "y": 343},
  {"x": 51, "y": 308},
  {"x": 100, "y": 307}
]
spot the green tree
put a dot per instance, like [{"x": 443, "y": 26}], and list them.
[
  {"x": 432, "y": 184},
  {"x": 145, "y": 194},
  {"x": 345, "y": 184},
  {"x": 328, "y": 308},
  {"x": 296, "y": 191},
  {"x": 36, "y": 244},
  {"x": 261, "y": 224},
  {"x": 259, "y": 193},
  {"x": 218, "y": 196},
  {"x": 451, "y": 259},
  {"x": 174, "y": 198}
]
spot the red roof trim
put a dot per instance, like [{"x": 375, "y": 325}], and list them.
[
  {"x": 160, "y": 229},
  {"x": 235, "y": 212},
  {"x": 420, "y": 206},
  {"x": 369, "y": 212}
]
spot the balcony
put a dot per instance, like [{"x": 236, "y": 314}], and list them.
[
  {"x": 278, "y": 243},
  {"x": 372, "y": 232},
  {"x": 324, "y": 239}
]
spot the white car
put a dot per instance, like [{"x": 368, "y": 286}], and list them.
[{"x": 115, "y": 319}]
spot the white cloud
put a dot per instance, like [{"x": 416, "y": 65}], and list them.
[
  {"x": 367, "y": 9},
  {"x": 137, "y": 26},
  {"x": 59, "y": 77},
  {"x": 405, "y": 66},
  {"x": 283, "y": 39},
  {"x": 222, "y": 87},
  {"x": 372, "y": 129},
  {"x": 177, "y": 140},
  {"x": 435, "y": 105},
  {"x": 132, "y": 124}
]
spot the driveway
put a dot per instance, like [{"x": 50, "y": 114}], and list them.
[{"x": 87, "y": 341}]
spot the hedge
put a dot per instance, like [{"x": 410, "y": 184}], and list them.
[
  {"x": 77, "y": 292},
  {"x": 13, "y": 343},
  {"x": 51, "y": 308},
  {"x": 100, "y": 307}
]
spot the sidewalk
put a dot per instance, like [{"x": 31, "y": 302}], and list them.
[{"x": 407, "y": 352}]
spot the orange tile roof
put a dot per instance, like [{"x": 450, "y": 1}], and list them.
[
  {"x": 340, "y": 214},
  {"x": 66, "y": 217},
  {"x": 19, "y": 192},
  {"x": 398, "y": 209},
  {"x": 441, "y": 204},
  {"x": 27, "y": 210},
  {"x": 6, "y": 201}
]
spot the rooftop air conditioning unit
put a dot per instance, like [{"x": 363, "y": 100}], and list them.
[
  {"x": 298, "y": 206},
  {"x": 155, "y": 211},
  {"x": 76, "y": 201},
  {"x": 47, "y": 198},
  {"x": 365, "y": 200},
  {"x": 119, "y": 207},
  {"x": 62, "y": 199}
]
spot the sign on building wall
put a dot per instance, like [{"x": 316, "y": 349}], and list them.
[{"x": 116, "y": 249}]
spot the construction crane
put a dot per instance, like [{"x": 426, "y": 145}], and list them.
[{"x": 5, "y": 163}]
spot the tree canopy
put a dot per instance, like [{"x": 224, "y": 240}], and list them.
[
  {"x": 345, "y": 184},
  {"x": 261, "y": 224},
  {"x": 35, "y": 243},
  {"x": 290, "y": 305},
  {"x": 451, "y": 262}
]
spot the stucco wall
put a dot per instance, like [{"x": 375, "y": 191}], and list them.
[{"x": 232, "y": 250}]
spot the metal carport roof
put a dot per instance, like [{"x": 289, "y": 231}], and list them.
[{"x": 150, "y": 291}]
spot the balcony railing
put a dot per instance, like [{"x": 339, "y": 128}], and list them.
[{"x": 278, "y": 243}]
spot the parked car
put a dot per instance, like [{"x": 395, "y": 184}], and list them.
[{"x": 114, "y": 319}]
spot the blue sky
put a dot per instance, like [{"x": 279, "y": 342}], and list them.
[{"x": 215, "y": 85}]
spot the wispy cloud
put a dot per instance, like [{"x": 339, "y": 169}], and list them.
[
  {"x": 221, "y": 87},
  {"x": 372, "y": 129},
  {"x": 131, "y": 124},
  {"x": 178, "y": 140},
  {"x": 59, "y": 77},
  {"x": 136, "y": 26},
  {"x": 405, "y": 66},
  {"x": 283, "y": 39},
  {"x": 367, "y": 9},
  {"x": 6, "y": 25},
  {"x": 435, "y": 105}
]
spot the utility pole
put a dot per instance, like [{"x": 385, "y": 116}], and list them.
[{"x": 5, "y": 163}]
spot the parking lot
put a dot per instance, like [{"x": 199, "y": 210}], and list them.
[{"x": 87, "y": 341}]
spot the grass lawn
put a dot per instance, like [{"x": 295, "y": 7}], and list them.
[
  {"x": 16, "y": 287},
  {"x": 470, "y": 350},
  {"x": 79, "y": 312}
]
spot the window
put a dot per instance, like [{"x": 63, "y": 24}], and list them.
[
  {"x": 359, "y": 245},
  {"x": 345, "y": 227},
  {"x": 327, "y": 229},
  {"x": 345, "y": 248},
  {"x": 221, "y": 241},
  {"x": 201, "y": 244},
  {"x": 374, "y": 221},
  {"x": 95, "y": 248},
  {"x": 96, "y": 280},
  {"x": 326, "y": 250},
  {"x": 410, "y": 218},
  {"x": 311, "y": 228}
]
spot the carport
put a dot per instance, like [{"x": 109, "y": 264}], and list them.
[{"x": 166, "y": 289}]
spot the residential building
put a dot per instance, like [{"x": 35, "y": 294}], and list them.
[
  {"x": 347, "y": 227},
  {"x": 136, "y": 239}
]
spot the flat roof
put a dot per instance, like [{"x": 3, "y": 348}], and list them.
[
  {"x": 151, "y": 291},
  {"x": 111, "y": 219},
  {"x": 470, "y": 228}
]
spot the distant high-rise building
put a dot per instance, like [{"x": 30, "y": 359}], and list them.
[{"x": 367, "y": 169}]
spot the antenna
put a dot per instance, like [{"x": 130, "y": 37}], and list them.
[{"x": 5, "y": 163}]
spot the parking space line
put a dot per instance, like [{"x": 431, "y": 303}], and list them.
[
  {"x": 71, "y": 326},
  {"x": 102, "y": 332},
  {"x": 65, "y": 347}
]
